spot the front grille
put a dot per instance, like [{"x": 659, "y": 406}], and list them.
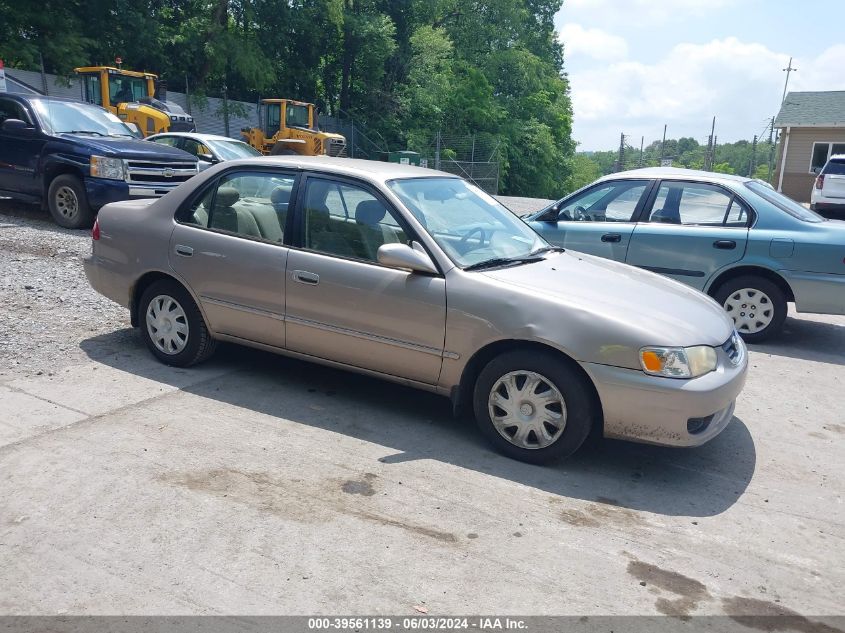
[
  {"x": 160, "y": 173},
  {"x": 733, "y": 348},
  {"x": 335, "y": 147}
]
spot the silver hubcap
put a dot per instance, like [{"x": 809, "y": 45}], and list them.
[
  {"x": 167, "y": 324},
  {"x": 751, "y": 310},
  {"x": 67, "y": 203},
  {"x": 527, "y": 409}
]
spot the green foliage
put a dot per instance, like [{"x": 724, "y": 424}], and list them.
[{"x": 404, "y": 68}]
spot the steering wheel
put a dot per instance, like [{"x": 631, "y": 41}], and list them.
[
  {"x": 581, "y": 214},
  {"x": 476, "y": 229}
]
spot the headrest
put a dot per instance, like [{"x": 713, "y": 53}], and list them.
[
  {"x": 370, "y": 212},
  {"x": 226, "y": 197},
  {"x": 280, "y": 195}
]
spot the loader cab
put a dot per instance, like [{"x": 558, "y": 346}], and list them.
[
  {"x": 109, "y": 87},
  {"x": 278, "y": 114}
]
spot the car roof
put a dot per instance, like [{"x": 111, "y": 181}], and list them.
[
  {"x": 25, "y": 97},
  {"x": 676, "y": 173},
  {"x": 373, "y": 170},
  {"x": 200, "y": 135}
]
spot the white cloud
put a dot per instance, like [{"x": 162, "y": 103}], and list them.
[
  {"x": 738, "y": 82},
  {"x": 593, "y": 43}
]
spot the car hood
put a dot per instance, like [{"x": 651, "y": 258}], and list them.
[
  {"x": 130, "y": 148},
  {"x": 647, "y": 307}
]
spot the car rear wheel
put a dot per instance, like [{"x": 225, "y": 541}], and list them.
[
  {"x": 68, "y": 203},
  {"x": 533, "y": 406},
  {"x": 756, "y": 305},
  {"x": 172, "y": 326}
]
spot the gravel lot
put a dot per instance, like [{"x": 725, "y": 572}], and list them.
[
  {"x": 46, "y": 304},
  {"x": 256, "y": 484}
]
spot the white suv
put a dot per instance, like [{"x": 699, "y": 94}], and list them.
[{"x": 828, "y": 195}]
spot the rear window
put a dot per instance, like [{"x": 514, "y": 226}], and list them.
[
  {"x": 783, "y": 203},
  {"x": 835, "y": 166}
]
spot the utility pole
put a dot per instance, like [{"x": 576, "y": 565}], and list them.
[
  {"x": 771, "y": 151},
  {"x": 789, "y": 69},
  {"x": 437, "y": 151},
  {"x": 620, "y": 161},
  {"x": 642, "y": 142},
  {"x": 663, "y": 145},
  {"x": 187, "y": 94},
  {"x": 225, "y": 111},
  {"x": 711, "y": 147},
  {"x": 753, "y": 157}
]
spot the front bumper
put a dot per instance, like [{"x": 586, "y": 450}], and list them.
[
  {"x": 834, "y": 210},
  {"x": 642, "y": 408},
  {"x": 101, "y": 191}
]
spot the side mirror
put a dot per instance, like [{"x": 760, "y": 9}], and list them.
[
  {"x": 208, "y": 158},
  {"x": 403, "y": 256},
  {"x": 17, "y": 127}
]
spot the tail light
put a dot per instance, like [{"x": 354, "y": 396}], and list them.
[
  {"x": 820, "y": 181},
  {"x": 95, "y": 232}
]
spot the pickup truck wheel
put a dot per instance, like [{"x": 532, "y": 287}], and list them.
[
  {"x": 68, "y": 203},
  {"x": 533, "y": 406},
  {"x": 280, "y": 149},
  {"x": 756, "y": 305}
]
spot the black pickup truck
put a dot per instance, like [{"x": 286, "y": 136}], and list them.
[{"x": 74, "y": 157}]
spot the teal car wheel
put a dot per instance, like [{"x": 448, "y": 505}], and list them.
[{"x": 756, "y": 305}]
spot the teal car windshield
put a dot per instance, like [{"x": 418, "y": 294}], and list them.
[
  {"x": 467, "y": 223},
  {"x": 783, "y": 203}
]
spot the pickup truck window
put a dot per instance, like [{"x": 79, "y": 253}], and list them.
[
  {"x": 67, "y": 117},
  {"x": 12, "y": 110}
]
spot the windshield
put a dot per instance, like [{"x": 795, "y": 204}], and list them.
[
  {"x": 230, "y": 150},
  {"x": 66, "y": 116},
  {"x": 126, "y": 89},
  {"x": 783, "y": 203},
  {"x": 296, "y": 116},
  {"x": 468, "y": 224}
]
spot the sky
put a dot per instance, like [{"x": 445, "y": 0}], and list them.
[{"x": 635, "y": 65}]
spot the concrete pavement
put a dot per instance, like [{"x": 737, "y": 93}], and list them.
[{"x": 256, "y": 484}]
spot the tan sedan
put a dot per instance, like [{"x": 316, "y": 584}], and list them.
[{"x": 419, "y": 277}]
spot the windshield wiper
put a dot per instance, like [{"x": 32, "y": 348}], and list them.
[
  {"x": 84, "y": 132},
  {"x": 549, "y": 249},
  {"x": 503, "y": 261}
]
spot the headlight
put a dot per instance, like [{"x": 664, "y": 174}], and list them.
[
  {"x": 173, "y": 117},
  {"x": 678, "y": 362},
  {"x": 111, "y": 168}
]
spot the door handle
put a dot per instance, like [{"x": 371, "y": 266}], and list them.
[
  {"x": 727, "y": 245},
  {"x": 304, "y": 277},
  {"x": 611, "y": 237},
  {"x": 184, "y": 251}
]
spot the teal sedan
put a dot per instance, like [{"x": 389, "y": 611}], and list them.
[{"x": 749, "y": 247}]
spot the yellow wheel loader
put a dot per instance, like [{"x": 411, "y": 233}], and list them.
[
  {"x": 136, "y": 98},
  {"x": 290, "y": 127}
]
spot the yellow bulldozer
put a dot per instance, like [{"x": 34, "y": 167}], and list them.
[
  {"x": 290, "y": 127},
  {"x": 136, "y": 98}
]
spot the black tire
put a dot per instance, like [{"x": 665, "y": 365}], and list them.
[
  {"x": 581, "y": 413},
  {"x": 198, "y": 344},
  {"x": 776, "y": 303},
  {"x": 68, "y": 203}
]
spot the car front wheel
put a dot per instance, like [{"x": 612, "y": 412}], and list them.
[
  {"x": 756, "y": 305},
  {"x": 533, "y": 406},
  {"x": 172, "y": 326}
]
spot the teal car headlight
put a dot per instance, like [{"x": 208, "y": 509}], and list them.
[
  {"x": 678, "y": 362},
  {"x": 105, "y": 167}
]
